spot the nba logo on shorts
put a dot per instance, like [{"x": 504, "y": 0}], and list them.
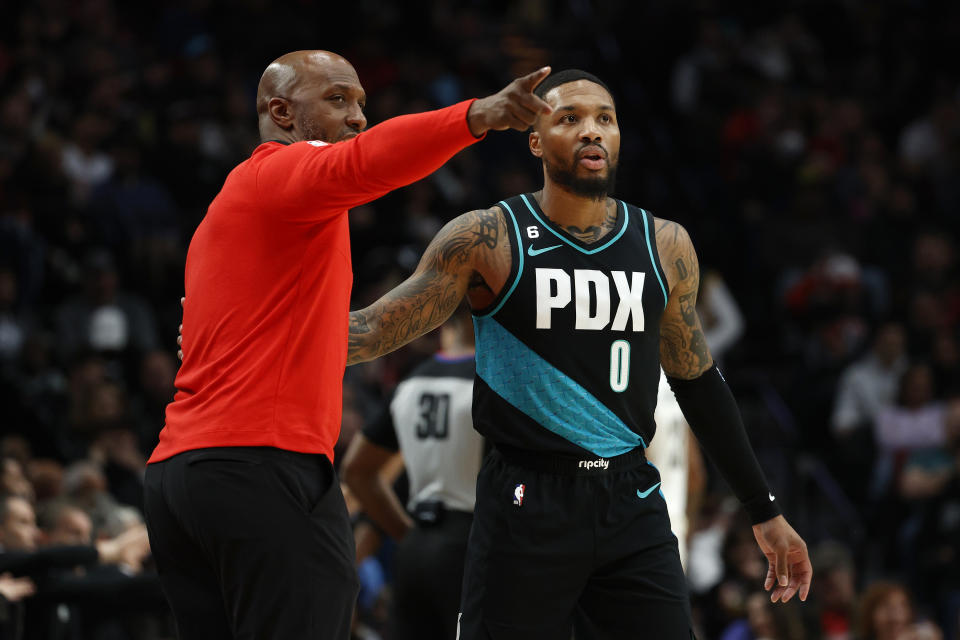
[{"x": 518, "y": 495}]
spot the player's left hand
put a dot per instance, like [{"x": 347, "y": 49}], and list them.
[{"x": 789, "y": 571}]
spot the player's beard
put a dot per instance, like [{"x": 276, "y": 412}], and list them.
[{"x": 593, "y": 187}]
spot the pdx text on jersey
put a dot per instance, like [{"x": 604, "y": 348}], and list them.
[{"x": 591, "y": 290}]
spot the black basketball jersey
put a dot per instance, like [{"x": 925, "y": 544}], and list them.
[{"x": 568, "y": 357}]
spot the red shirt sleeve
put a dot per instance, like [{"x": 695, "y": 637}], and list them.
[{"x": 310, "y": 181}]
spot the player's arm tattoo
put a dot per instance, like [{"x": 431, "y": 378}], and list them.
[
  {"x": 428, "y": 297},
  {"x": 683, "y": 347}
]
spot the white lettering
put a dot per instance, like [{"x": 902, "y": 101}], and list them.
[
  {"x": 591, "y": 291},
  {"x": 599, "y": 463},
  {"x": 631, "y": 300},
  {"x": 582, "y": 281},
  {"x": 546, "y": 301}
]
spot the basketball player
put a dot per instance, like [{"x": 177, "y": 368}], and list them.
[
  {"x": 246, "y": 519},
  {"x": 578, "y": 299},
  {"x": 428, "y": 420}
]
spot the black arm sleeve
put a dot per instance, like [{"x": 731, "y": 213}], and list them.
[{"x": 712, "y": 414}]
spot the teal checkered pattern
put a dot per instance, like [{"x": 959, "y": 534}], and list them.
[{"x": 534, "y": 386}]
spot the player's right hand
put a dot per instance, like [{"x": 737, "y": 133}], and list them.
[{"x": 513, "y": 107}]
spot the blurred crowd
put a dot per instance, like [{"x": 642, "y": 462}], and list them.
[{"x": 812, "y": 149}]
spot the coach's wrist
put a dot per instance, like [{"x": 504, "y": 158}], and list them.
[{"x": 477, "y": 119}]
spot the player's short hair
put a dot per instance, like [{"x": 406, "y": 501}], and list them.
[{"x": 565, "y": 76}]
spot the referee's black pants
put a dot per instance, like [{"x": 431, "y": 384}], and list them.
[
  {"x": 252, "y": 543},
  {"x": 429, "y": 577}
]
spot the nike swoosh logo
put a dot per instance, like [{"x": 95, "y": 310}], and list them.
[
  {"x": 644, "y": 494},
  {"x": 535, "y": 252}
]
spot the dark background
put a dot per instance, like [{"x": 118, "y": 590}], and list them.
[{"x": 812, "y": 150}]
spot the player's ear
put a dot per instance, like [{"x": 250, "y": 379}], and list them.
[
  {"x": 280, "y": 112},
  {"x": 534, "y": 142}
]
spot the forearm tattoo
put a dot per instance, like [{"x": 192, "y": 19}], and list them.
[{"x": 428, "y": 297}]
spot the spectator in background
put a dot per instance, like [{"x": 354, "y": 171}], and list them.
[
  {"x": 36, "y": 399},
  {"x": 778, "y": 133},
  {"x": 158, "y": 369},
  {"x": 927, "y": 139},
  {"x": 763, "y": 621},
  {"x": 743, "y": 565},
  {"x": 828, "y": 323},
  {"x": 75, "y": 573},
  {"x": 830, "y": 298},
  {"x": 85, "y": 485},
  {"x": 870, "y": 384},
  {"x": 84, "y": 162},
  {"x": 103, "y": 432},
  {"x": 834, "y": 604},
  {"x": 104, "y": 318},
  {"x": 909, "y": 464},
  {"x": 938, "y": 538},
  {"x": 18, "y": 526},
  {"x": 135, "y": 216},
  {"x": 14, "y": 323},
  {"x": 13, "y": 481},
  {"x": 866, "y": 387},
  {"x": 886, "y": 613},
  {"x": 945, "y": 361},
  {"x": 916, "y": 420},
  {"x": 64, "y": 524},
  {"x": 46, "y": 476}
]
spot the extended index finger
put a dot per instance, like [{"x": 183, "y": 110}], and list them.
[{"x": 530, "y": 81}]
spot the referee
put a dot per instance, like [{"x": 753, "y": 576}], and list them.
[
  {"x": 428, "y": 420},
  {"x": 246, "y": 520}
]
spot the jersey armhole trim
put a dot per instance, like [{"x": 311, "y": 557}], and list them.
[
  {"x": 518, "y": 260},
  {"x": 654, "y": 260}
]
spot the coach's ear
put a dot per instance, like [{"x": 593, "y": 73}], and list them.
[
  {"x": 534, "y": 142},
  {"x": 280, "y": 112}
]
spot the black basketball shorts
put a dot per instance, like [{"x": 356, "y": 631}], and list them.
[{"x": 561, "y": 546}]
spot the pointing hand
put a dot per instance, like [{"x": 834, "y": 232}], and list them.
[{"x": 513, "y": 107}]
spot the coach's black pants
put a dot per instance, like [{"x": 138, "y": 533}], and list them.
[
  {"x": 589, "y": 551},
  {"x": 252, "y": 543}
]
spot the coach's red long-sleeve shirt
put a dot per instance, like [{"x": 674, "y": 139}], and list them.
[{"x": 268, "y": 281}]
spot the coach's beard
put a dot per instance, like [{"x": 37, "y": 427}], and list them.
[
  {"x": 312, "y": 130},
  {"x": 593, "y": 187}
]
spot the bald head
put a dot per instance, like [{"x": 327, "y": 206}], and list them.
[{"x": 310, "y": 95}]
